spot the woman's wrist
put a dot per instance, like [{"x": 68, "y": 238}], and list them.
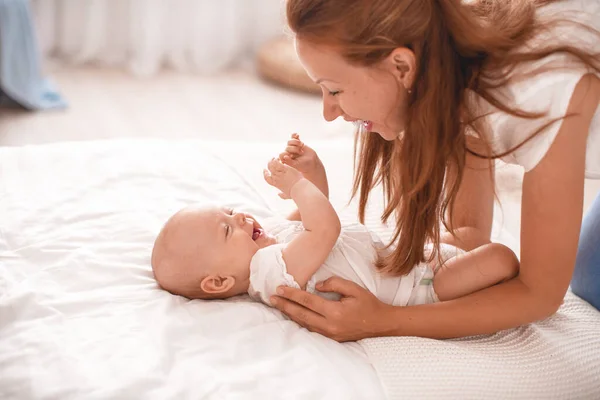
[{"x": 387, "y": 321}]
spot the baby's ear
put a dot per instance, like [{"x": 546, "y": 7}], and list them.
[{"x": 217, "y": 284}]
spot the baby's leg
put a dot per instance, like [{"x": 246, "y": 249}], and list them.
[{"x": 477, "y": 269}]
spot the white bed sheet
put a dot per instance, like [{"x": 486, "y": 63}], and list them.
[{"x": 80, "y": 313}]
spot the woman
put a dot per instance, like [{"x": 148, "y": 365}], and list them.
[{"x": 442, "y": 88}]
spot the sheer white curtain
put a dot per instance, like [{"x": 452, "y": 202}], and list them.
[{"x": 200, "y": 36}]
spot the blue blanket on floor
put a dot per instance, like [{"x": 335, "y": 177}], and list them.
[{"x": 21, "y": 80}]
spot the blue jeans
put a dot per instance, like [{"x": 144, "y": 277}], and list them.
[{"x": 586, "y": 278}]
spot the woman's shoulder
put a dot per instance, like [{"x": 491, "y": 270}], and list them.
[
  {"x": 568, "y": 22},
  {"x": 573, "y": 23},
  {"x": 581, "y": 10},
  {"x": 544, "y": 86}
]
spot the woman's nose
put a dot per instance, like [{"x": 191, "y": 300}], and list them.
[{"x": 331, "y": 110}]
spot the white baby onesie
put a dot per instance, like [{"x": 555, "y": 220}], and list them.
[{"x": 352, "y": 258}]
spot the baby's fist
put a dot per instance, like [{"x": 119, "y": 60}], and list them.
[
  {"x": 301, "y": 157},
  {"x": 282, "y": 176}
]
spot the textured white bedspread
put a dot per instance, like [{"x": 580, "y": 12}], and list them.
[
  {"x": 558, "y": 358},
  {"x": 81, "y": 316}
]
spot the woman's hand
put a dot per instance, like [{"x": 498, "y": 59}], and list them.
[{"x": 357, "y": 315}]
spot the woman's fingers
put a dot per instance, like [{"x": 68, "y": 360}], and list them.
[
  {"x": 305, "y": 317},
  {"x": 303, "y": 298},
  {"x": 344, "y": 287}
]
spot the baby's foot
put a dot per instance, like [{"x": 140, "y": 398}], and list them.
[{"x": 281, "y": 176}]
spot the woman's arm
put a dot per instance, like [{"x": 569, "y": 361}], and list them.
[
  {"x": 551, "y": 220},
  {"x": 473, "y": 210}
]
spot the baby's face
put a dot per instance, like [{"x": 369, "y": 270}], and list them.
[
  {"x": 207, "y": 251},
  {"x": 231, "y": 239},
  {"x": 225, "y": 240}
]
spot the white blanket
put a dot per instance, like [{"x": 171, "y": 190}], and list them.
[{"x": 81, "y": 316}]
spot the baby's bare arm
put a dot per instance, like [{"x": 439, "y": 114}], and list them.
[
  {"x": 306, "y": 252},
  {"x": 319, "y": 179},
  {"x": 475, "y": 270},
  {"x": 305, "y": 159}
]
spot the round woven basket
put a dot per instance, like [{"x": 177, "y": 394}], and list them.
[{"x": 277, "y": 62}]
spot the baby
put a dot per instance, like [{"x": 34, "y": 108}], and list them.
[{"x": 216, "y": 253}]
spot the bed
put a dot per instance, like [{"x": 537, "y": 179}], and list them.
[{"x": 82, "y": 317}]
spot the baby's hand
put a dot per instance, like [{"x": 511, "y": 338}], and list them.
[
  {"x": 282, "y": 176},
  {"x": 301, "y": 157}
]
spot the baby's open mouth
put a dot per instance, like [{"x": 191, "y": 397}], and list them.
[{"x": 256, "y": 233}]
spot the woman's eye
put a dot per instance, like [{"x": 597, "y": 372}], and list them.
[
  {"x": 231, "y": 211},
  {"x": 334, "y": 93}
]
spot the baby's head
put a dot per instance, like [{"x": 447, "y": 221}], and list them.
[{"x": 205, "y": 253}]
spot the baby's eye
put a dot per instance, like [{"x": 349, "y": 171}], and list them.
[{"x": 227, "y": 230}]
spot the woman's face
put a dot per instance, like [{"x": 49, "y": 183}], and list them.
[{"x": 372, "y": 96}]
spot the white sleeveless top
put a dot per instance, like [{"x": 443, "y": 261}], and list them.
[{"x": 549, "y": 91}]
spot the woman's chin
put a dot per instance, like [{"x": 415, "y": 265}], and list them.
[{"x": 387, "y": 134}]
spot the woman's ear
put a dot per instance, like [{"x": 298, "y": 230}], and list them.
[
  {"x": 402, "y": 64},
  {"x": 217, "y": 284}
]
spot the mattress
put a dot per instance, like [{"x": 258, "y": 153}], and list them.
[{"x": 82, "y": 317}]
